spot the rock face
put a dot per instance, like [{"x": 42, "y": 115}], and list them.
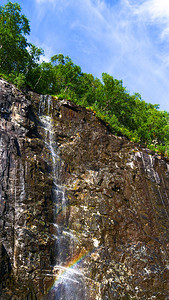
[{"x": 113, "y": 226}]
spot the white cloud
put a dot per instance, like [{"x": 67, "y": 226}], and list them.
[
  {"x": 44, "y": 1},
  {"x": 48, "y": 5},
  {"x": 154, "y": 11}
]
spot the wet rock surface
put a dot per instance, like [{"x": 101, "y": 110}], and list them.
[
  {"x": 25, "y": 200},
  {"x": 117, "y": 206}
]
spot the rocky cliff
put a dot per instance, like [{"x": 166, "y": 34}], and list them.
[{"x": 83, "y": 213}]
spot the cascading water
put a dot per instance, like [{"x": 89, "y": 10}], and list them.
[{"x": 69, "y": 283}]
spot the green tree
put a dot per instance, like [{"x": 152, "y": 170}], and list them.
[
  {"x": 18, "y": 58},
  {"x": 66, "y": 74},
  {"x": 13, "y": 45}
]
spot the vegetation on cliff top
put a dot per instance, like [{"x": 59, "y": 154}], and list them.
[{"x": 126, "y": 114}]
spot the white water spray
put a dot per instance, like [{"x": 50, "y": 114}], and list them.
[{"x": 70, "y": 281}]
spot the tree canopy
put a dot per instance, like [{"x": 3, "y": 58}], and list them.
[
  {"x": 17, "y": 56},
  {"x": 126, "y": 114},
  {"x": 13, "y": 44}
]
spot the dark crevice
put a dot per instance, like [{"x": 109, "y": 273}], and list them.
[
  {"x": 71, "y": 107},
  {"x": 17, "y": 147}
]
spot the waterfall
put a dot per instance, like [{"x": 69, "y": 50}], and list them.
[{"x": 69, "y": 283}]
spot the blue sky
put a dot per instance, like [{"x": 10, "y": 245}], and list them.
[{"x": 129, "y": 39}]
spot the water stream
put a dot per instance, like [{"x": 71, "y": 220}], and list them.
[{"x": 69, "y": 283}]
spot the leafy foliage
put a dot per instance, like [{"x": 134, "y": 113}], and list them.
[
  {"x": 13, "y": 44},
  {"x": 126, "y": 114},
  {"x": 17, "y": 56}
]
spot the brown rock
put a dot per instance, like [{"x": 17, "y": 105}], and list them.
[{"x": 116, "y": 210}]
